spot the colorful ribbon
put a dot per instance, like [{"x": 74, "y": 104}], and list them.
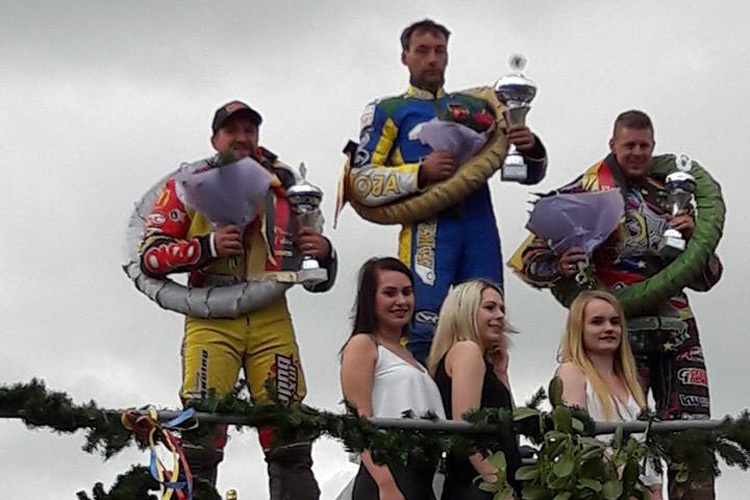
[{"x": 148, "y": 429}]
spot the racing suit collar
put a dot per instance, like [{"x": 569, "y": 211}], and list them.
[
  {"x": 620, "y": 177},
  {"x": 414, "y": 91},
  {"x": 262, "y": 156}
]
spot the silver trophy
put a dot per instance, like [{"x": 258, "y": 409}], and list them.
[
  {"x": 516, "y": 92},
  {"x": 305, "y": 199},
  {"x": 680, "y": 188}
]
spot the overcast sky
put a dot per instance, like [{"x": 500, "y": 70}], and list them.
[{"x": 98, "y": 101}]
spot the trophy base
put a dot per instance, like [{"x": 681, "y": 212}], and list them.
[
  {"x": 674, "y": 244},
  {"x": 675, "y": 241},
  {"x": 514, "y": 169},
  {"x": 308, "y": 263},
  {"x": 312, "y": 277}
]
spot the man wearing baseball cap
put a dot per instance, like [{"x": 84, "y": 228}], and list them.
[
  {"x": 178, "y": 238},
  {"x": 235, "y": 109}
]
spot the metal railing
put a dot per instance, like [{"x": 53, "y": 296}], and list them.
[{"x": 439, "y": 425}]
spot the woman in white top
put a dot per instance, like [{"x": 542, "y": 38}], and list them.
[
  {"x": 598, "y": 369},
  {"x": 382, "y": 379}
]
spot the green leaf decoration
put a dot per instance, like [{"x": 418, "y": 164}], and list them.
[
  {"x": 226, "y": 157},
  {"x": 555, "y": 392},
  {"x": 556, "y": 448},
  {"x": 556, "y": 436},
  {"x": 578, "y": 425},
  {"x": 632, "y": 446},
  {"x": 538, "y": 398},
  {"x": 594, "y": 469},
  {"x": 591, "y": 484},
  {"x": 617, "y": 443},
  {"x": 557, "y": 483},
  {"x": 563, "y": 419},
  {"x": 590, "y": 442},
  {"x": 565, "y": 495},
  {"x": 567, "y": 462},
  {"x": 498, "y": 461},
  {"x": 527, "y": 473},
  {"x": 611, "y": 490},
  {"x": 488, "y": 487},
  {"x": 504, "y": 494},
  {"x": 564, "y": 466},
  {"x": 592, "y": 453},
  {"x": 533, "y": 492},
  {"x": 630, "y": 473},
  {"x": 523, "y": 412}
]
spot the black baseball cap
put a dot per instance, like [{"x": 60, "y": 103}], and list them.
[{"x": 232, "y": 109}]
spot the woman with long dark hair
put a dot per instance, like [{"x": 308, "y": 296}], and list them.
[{"x": 382, "y": 379}]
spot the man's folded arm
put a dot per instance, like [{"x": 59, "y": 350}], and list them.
[{"x": 373, "y": 180}]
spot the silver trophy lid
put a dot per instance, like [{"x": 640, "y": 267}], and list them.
[
  {"x": 515, "y": 87},
  {"x": 303, "y": 188},
  {"x": 680, "y": 178},
  {"x": 683, "y": 162}
]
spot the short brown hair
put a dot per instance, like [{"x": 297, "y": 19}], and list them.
[
  {"x": 427, "y": 25},
  {"x": 633, "y": 119}
]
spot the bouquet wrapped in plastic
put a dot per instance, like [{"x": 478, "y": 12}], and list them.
[
  {"x": 228, "y": 194},
  {"x": 577, "y": 220},
  {"x": 581, "y": 220},
  {"x": 460, "y": 132}
]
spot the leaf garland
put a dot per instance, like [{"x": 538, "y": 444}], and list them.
[
  {"x": 39, "y": 407},
  {"x": 570, "y": 462}
]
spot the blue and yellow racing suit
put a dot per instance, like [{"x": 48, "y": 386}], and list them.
[{"x": 462, "y": 242}]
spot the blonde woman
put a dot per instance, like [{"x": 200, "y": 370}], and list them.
[
  {"x": 469, "y": 360},
  {"x": 598, "y": 369}
]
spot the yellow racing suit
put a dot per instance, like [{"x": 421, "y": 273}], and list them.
[{"x": 177, "y": 238}]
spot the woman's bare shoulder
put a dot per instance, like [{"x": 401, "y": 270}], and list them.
[
  {"x": 465, "y": 353},
  {"x": 570, "y": 371},
  {"x": 465, "y": 349},
  {"x": 361, "y": 345}
]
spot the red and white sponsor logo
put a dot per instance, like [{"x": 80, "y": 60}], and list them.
[
  {"x": 695, "y": 353},
  {"x": 284, "y": 373},
  {"x": 155, "y": 220},
  {"x": 174, "y": 255},
  {"x": 368, "y": 115},
  {"x": 234, "y": 106},
  {"x": 176, "y": 215},
  {"x": 694, "y": 401},
  {"x": 164, "y": 195},
  {"x": 693, "y": 376}
]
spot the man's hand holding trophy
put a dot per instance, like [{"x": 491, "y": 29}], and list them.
[
  {"x": 680, "y": 187},
  {"x": 304, "y": 199},
  {"x": 516, "y": 92}
]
